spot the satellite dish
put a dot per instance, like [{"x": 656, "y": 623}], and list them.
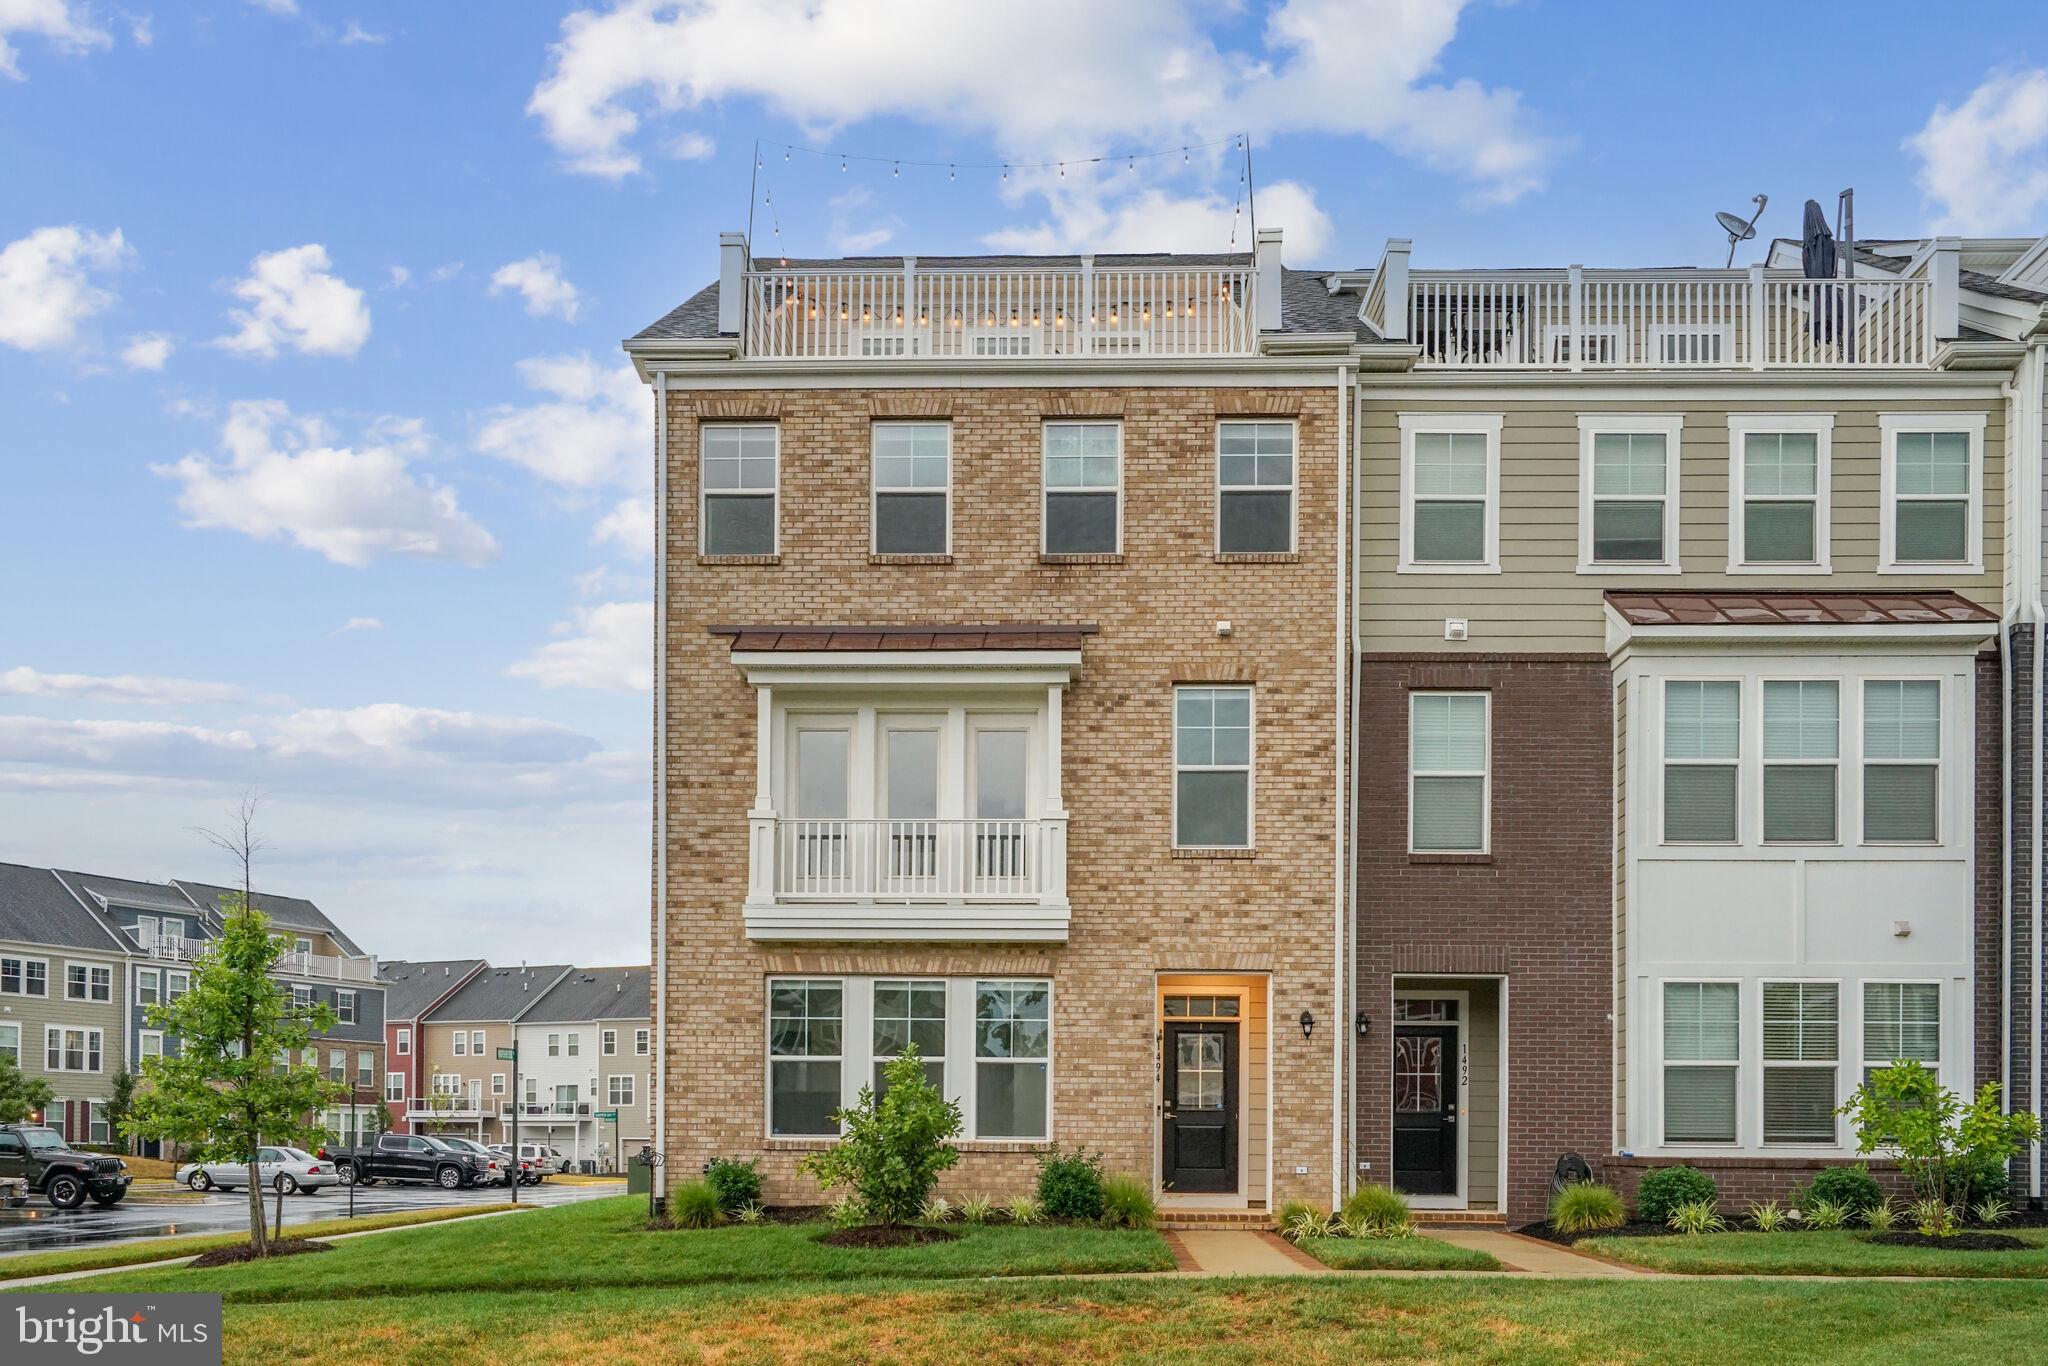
[{"x": 1739, "y": 229}]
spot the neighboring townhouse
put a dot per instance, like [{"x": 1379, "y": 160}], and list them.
[
  {"x": 1000, "y": 711},
  {"x": 466, "y": 1083},
  {"x": 586, "y": 1051},
  {"x": 411, "y": 991},
  {"x": 63, "y": 990}
]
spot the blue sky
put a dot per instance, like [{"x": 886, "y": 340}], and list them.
[{"x": 326, "y": 477}]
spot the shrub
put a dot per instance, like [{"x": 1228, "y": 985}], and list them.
[
  {"x": 1585, "y": 1206},
  {"x": 1376, "y": 1212},
  {"x": 1852, "y": 1187},
  {"x": 891, "y": 1151},
  {"x": 1822, "y": 1212},
  {"x": 1995, "y": 1210},
  {"x": 1299, "y": 1220},
  {"x": 1978, "y": 1177},
  {"x": 848, "y": 1211},
  {"x": 693, "y": 1204},
  {"x": 977, "y": 1209},
  {"x": 1664, "y": 1189},
  {"x": 1932, "y": 1217},
  {"x": 738, "y": 1183},
  {"x": 1070, "y": 1184},
  {"x": 1127, "y": 1203},
  {"x": 748, "y": 1214},
  {"x": 1768, "y": 1217},
  {"x": 1024, "y": 1210},
  {"x": 1880, "y": 1217},
  {"x": 1945, "y": 1144},
  {"x": 937, "y": 1210},
  {"x": 1696, "y": 1216}
]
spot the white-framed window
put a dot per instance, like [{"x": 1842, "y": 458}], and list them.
[
  {"x": 88, "y": 982},
  {"x": 575, "y": 1045},
  {"x": 1013, "y": 1059},
  {"x": 532, "y": 1091},
  {"x": 641, "y": 1040},
  {"x": 366, "y": 1069},
  {"x": 1449, "y": 745},
  {"x": 1702, "y": 1061},
  {"x": 913, "y": 492},
  {"x": 97, "y": 1128},
  {"x": 554, "y": 1045},
  {"x": 1802, "y": 1046},
  {"x": 24, "y": 976},
  {"x": 1628, "y": 493},
  {"x": 608, "y": 1042},
  {"x": 337, "y": 1064},
  {"x": 1084, "y": 488},
  {"x": 1901, "y": 1023},
  {"x": 1212, "y": 767},
  {"x": 1450, "y": 493},
  {"x": 148, "y": 986},
  {"x": 302, "y": 996},
  {"x": 71, "y": 1050},
  {"x": 907, "y": 1013},
  {"x": 1702, "y": 761},
  {"x": 176, "y": 984},
  {"x": 447, "y": 1084},
  {"x": 1779, "y": 502},
  {"x": 1255, "y": 486},
  {"x": 149, "y": 1044},
  {"x": 1932, "y": 493},
  {"x": 740, "y": 488},
  {"x": 10, "y": 1042},
  {"x": 461, "y": 1049},
  {"x": 806, "y": 1036},
  {"x": 476, "y": 1043},
  {"x": 1802, "y": 752},
  {"x": 497, "y": 1083},
  {"x": 345, "y": 1006},
  {"x": 402, "y": 1043},
  {"x": 1901, "y": 761},
  {"x": 394, "y": 1086},
  {"x": 618, "y": 1090}
]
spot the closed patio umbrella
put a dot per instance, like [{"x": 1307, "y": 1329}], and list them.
[{"x": 1817, "y": 262}]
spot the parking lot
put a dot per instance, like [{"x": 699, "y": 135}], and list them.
[{"x": 39, "y": 1228}]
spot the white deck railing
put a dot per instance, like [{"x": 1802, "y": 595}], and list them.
[
  {"x": 546, "y": 1110},
  {"x": 910, "y": 860},
  {"x": 446, "y": 1107},
  {"x": 1692, "y": 319},
  {"x": 820, "y": 313},
  {"x": 296, "y": 964},
  {"x": 172, "y": 947}
]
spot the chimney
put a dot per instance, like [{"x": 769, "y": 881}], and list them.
[
  {"x": 732, "y": 270},
  {"x": 1945, "y": 269},
  {"x": 1393, "y": 319},
  {"x": 1266, "y": 260}
]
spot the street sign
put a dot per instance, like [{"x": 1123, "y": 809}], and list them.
[
  {"x": 608, "y": 1116},
  {"x": 506, "y": 1055}
]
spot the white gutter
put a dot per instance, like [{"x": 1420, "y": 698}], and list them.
[
  {"x": 2034, "y": 490},
  {"x": 1341, "y": 904},
  {"x": 659, "y": 1101},
  {"x": 1350, "y": 1022}
]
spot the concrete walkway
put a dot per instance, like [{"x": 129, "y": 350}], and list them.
[
  {"x": 1247, "y": 1252},
  {"x": 1553, "y": 1261},
  {"x": 1238, "y": 1252}
]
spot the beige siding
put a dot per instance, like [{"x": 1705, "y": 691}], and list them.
[
  {"x": 1540, "y": 602},
  {"x": 32, "y": 1014},
  {"x": 1482, "y": 1098}
]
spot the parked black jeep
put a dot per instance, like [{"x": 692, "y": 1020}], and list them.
[{"x": 52, "y": 1167}]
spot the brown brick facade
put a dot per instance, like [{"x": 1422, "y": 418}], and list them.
[{"x": 1138, "y": 909}]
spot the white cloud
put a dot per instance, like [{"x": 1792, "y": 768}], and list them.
[
  {"x": 399, "y": 276},
  {"x": 1984, "y": 163},
  {"x": 147, "y": 351},
  {"x": 355, "y": 33},
  {"x": 279, "y": 475},
  {"x": 23, "y": 681},
  {"x": 1138, "y": 70},
  {"x": 444, "y": 273},
  {"x": 630, "y": 525},
  {"x": 591, "y": 431},
  {"x": 294, "y": 300},
  {"x": 539, "y": 279},
  {"x": 141, "y": 29},
  {"x": 286, "y": 8},
  {"x": 359, "y": 624},
  {"x": 692, "y": 146},
  {"x": 1153, "y": 219},
  {"x": 68, "y": 27},
  {"x": 612, "y": 648},
  {"x": 46, "y": 286},
  {"x": 859, "y": 225}
]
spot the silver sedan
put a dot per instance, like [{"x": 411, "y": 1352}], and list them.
[{"x": 286, "y": 1169}]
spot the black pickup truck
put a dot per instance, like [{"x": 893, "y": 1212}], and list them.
[
  {"x": 53, "y": 1168},
  {"x": 409, "y": 1157}
]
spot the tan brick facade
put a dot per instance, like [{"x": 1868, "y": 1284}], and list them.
[{"x": 1139, "y": 909}]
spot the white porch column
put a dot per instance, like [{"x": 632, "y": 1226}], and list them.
[
  {"x": 761, "y": 819},
  {"x": 1053, "y": 824}
]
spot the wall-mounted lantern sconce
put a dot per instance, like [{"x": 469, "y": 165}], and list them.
[
  {"x": 1364, "y": 1024},
  {"x": 1308, "y": 1024}
]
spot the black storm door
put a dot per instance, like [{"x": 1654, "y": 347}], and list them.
[
  {"x": 1200, "y": 1129},
  {"x": 1426, "y": 1109}
]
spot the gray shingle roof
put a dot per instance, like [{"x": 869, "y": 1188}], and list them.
[
  {"x": 1892, "y": 262},
  {"x": 146, "y": 896},
  {"x": 410, "y": 988},
  {"x": 37, "y": 908},
  {"x": 595, "y": 994},
  {"x": 499, "y": 994},
  {"x": 292, "y": 912}
]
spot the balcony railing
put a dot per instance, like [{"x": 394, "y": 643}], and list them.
[
  {"x": 908, "y": 860},
  {"x": 907, "y": 313},
  {"x": 544, "y": 1110},
  {"x": 173, "y": 948},
  {"x": 297, "y": 964},
  {"x": 1682, "y": 319},
  {"x": 446, "y": 1107}
]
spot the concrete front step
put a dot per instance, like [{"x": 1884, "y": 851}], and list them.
[
  {"x": 1460, "y": 1218},
  {"x": 1214, "y": 1219}
]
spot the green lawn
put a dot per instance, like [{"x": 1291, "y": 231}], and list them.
[
  {"x": 601, "y": 1243},
  {"x": 1396, "y": 1254},
  {"x": 1831, "y": 1253}
]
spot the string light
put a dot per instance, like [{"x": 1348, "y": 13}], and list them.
[
  {"x": 949, "y": 173},
  {"x": 896, "y": 169},
  {"x": 1131, "y": 158}
]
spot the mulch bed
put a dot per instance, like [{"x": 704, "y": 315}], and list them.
[
  {"x": 1961, "y": 1242},
  {"x": 246, "y": 1252},
  {"x": 1971, "y": 1240},
  {"x": 887, "y": 1235}
]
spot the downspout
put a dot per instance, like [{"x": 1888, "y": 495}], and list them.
[
  {"x": 1350, "y": 1177},
  {"x": 659, "y": 1108},
  {"x": 2031, "y": 434},
  {"x": 1340, "y": 979}
]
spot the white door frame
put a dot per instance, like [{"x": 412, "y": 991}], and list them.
[
  {"x": 1457, "y": 1199},
  {"x": 1242, "y": 989}
]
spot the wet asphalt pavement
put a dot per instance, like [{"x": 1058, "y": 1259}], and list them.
[{"x": 39, "y": 1228}]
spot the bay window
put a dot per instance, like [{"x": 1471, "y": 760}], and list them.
[
  {"x": 907, "y": 1014},
  {"x": 1801, "y": 1048},
  {"x": 1702, "y": 760},
  {"x": 1901, "y": 761},
  {"x": 1801, "y": 744},
  {"x": 1901, "y": 1023},
  {"x": 1702, "y": 1058},
  {"x": 1012, "y": 1059}
]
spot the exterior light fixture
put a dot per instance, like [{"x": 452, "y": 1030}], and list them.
[
  {"x": 842, "y": 312},
  {"x": 1308, "y": 1024},
  {"x": 1169, "y": 308},
  {"x": 1364, "y": 1024}
]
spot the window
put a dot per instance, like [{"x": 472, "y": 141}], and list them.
[
  {"x": 1901, "y": 1023},
  {"x": 1778, "y": 516},
  {"x": 1254, "y": 487},
  {"x": 1012, "y": 1059},
  {"x": 447, "y": 1084},
  {"x": 1702, "y": 734},
  {"x": 1801, "y": 744},
  {"x": 497, "y": 1083},
  {"x": 1933, "y": 493},
  {"x": 640, "y": 1042},
  {"x": 10, "y": 1042},
  {"x": 149, "y": 1044},
  {"x": 740, "y": 480},
  {"x": 1901, "y": 761},
  {"x": 532, "y": 1091},
  {"x": 1083, "y": 488},
  {"x": 1212, "y": 779},
  {"x": 1200, "y": 1007},
  {"x": 404, "y": 1043},
  {"x": 337, "y": 1064},
  {"x": 366, "y": 1068},
  {"x": 345, "y": 1006},
  {"x": 1447, "y": 761},
  {"x": 1450, "y": 494},
  {"x": 476, "y": 1043},
  {"x": 1800, "y": 1051},
  {"x": 608, "y": 1042},
  {"x": 302, "y": 944},
  {"x": 148, "y": 986},
  {"x": 85, "y": 982},
  {"x": 461, "y": 1044},
  {"x": 1702, "y": 1053},
  {"x": 913, "y": 482},
  {"x": 1628, "y": 484},
  {"x": 805, "y": 1026},
  {"x": 96, "y": 1122},
  {"x": 618, "y": 1090},
  {"x": 554, "y": 1045},
  {"x": 302, "y": 997},
  {"x": 575, "y": 1045},
  {"x": 71, "y": 1050},
  {"x": 908, "y": 1013},
  {"x": 176, "y": 984},
  {"x": 24, "y": 977}
]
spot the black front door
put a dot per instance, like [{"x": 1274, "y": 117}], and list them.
[
  {"x": 1201, "y": 1108},
  {"x": 1426, "y": 1109}
]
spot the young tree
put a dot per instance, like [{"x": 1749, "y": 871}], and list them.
[
  {"x": 891, "y": 1151},
  {"x": 1940, "y": 1139},
  {"x": 121, "y": 1103},
  {"x": 20, "y": 1094}
]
